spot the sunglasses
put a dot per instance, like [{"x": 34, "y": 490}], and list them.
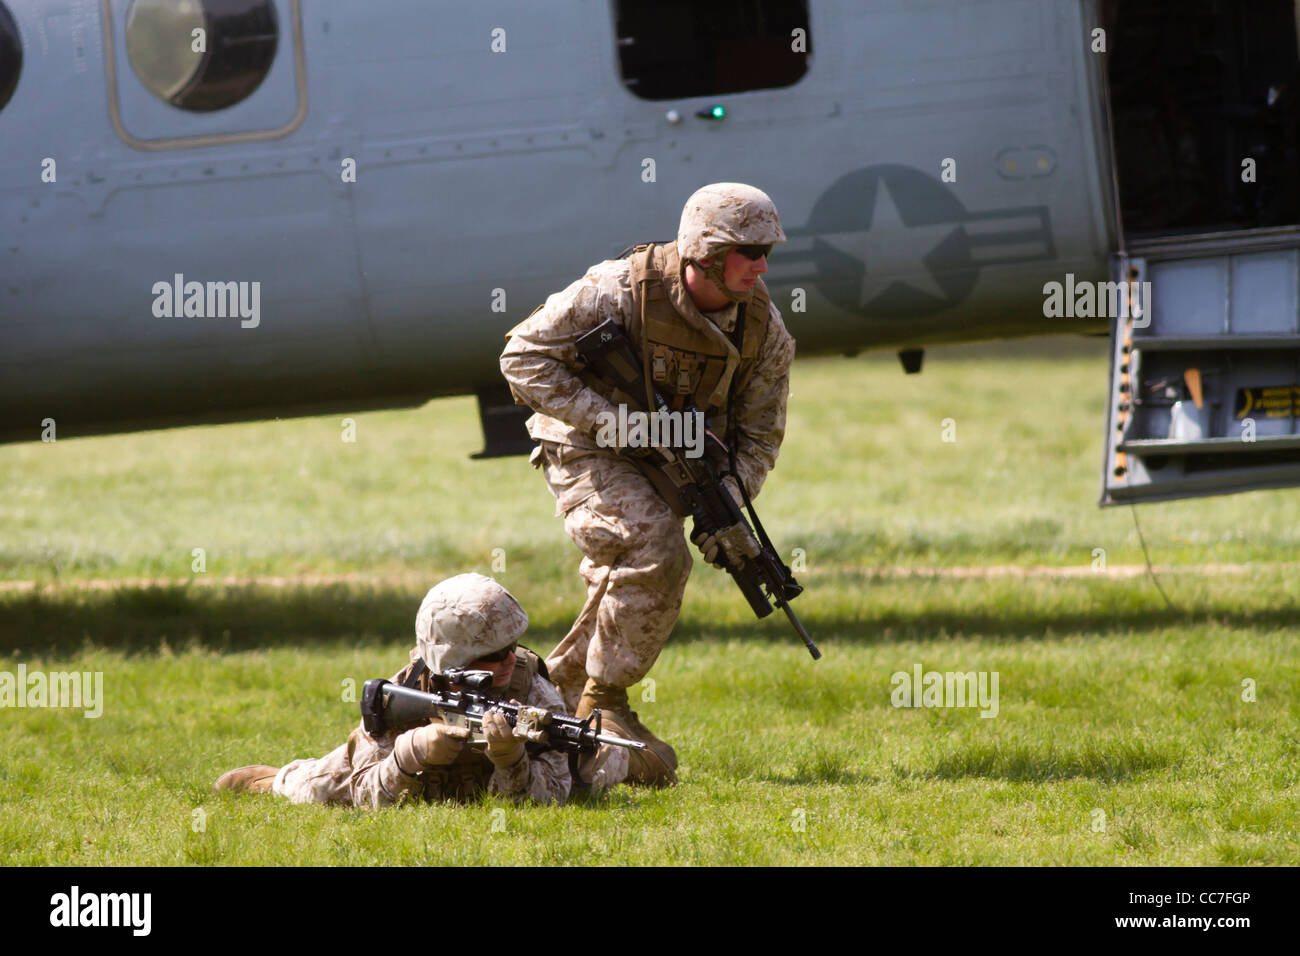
[
  {"x": 754, "y": 253},
  {"x": 499, "y": 656}
]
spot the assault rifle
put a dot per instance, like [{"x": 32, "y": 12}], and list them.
[
  {"x": 763, "y": 578},
  {"x": 385, "y": 705}
]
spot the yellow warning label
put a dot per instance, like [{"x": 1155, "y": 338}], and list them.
[{"x": 1270, "y": 401}]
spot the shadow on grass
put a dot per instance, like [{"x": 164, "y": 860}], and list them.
[
  {"x": 136, "y": 619},
  {"x": 1027, "y": 763},
  {"x": 239, "y": 618},
  {"x": 813, "y": 764}
]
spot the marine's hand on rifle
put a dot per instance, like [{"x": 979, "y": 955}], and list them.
[
  {"x": 708, "y": 545},
  {"x": 603, "y": 768},
  {"x": 735, "y": 543},
  {"x": 434, "y": 745},
  {"x": 504, "y": 749}
]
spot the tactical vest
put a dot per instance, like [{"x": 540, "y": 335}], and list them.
[
  {"x": 686, "y": 359},
  {"x": 468, "y": 775}
]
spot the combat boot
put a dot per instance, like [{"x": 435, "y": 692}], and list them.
[
  {"x": 256, "y": 779},
  {"x": 653, "y": 766}
]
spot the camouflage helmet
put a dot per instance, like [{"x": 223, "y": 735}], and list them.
[
  {"x": 722, "y": 215},
  {"x": 465, "y": 618}
]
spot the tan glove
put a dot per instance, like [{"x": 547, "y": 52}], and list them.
[
  {"x": 504, "y": 749},
  {"x": 434, "y": 745},
  {"x": 708, "y": 545},
  {"x": 605, "y": 768},
  {"x": 736, "y": 540}
]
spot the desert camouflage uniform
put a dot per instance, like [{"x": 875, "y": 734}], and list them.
[
  {"x": 364, "y": 771},
  {"x": 635, "y": 557}
]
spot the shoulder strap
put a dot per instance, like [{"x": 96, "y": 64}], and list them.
[
  {"x": 643, "y": 274},
  {"x": 521, "y": 681},
  {"x": 541, "y": 664},
  {"x": 640, "y": 245},
  {"x": 737, "y": 339},
  {"x": 414, "y": 672},
  {"x": 756, "y": 328}
]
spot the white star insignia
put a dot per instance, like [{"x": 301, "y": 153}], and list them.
[{"x": 891, "y": 250}]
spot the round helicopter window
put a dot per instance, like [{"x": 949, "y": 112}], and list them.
[{"x": 201, "y": 55}]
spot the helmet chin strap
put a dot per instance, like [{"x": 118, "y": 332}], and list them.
[{"x": 714, "y": 273}]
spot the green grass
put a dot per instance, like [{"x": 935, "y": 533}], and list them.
[
  {"x": 1109, "y": 701},
  {"x": 864, "y": 478}
]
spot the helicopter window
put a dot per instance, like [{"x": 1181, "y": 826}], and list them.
[
  {"x": 681, "y": 48},
  {"x": 201, "y": 55},
  {"x": 11, "y": 55}
]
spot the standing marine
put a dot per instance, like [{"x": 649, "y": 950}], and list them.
[{"x": 704, "y": 324}]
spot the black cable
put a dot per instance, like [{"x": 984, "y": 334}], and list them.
[{"x": 1147, "y": 555}]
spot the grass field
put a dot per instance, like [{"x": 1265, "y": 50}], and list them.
[{"x": 1121, "y": 737}]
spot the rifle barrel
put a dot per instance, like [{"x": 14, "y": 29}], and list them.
[{"x": 798, "y": 626}]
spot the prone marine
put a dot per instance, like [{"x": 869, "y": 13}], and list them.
[{"x": 466, "y": 622}]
